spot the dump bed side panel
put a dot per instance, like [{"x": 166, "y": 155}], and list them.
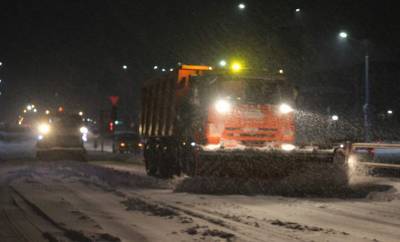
[
  {"x": 158, "y": 105},
  {"x": 161, "y": 96}
]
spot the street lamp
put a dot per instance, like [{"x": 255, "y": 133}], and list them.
[
  {"x": 297, "y": 10},
  {"x": 389, "y": 112},
  {"x": 335, "y": 118},
  {"x": 242, "y": 6},
  {"x": 344, "y": 35},
  {"x": 222, "y": 63},
  {"x": 124, "y": 67}
]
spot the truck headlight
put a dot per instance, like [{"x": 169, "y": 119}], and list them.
[
  {"x": 223, "y": 106},
  {"x": 288, "y": 147},
  {"x": 84, "y": 130},
  {"x": 44, "y": 128},
  {"x": 285, "y": 108}
]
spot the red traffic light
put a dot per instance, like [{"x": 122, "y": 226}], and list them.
[
  {"x": 114, "y": 100},
  {"x": 111, "y": 126}
]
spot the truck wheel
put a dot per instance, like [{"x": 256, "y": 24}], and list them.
[
  {"x": 149, "y": 161},
  {"x": 151, "y": 169},
  {"x": 169, "y": 163},
  {"x": 166, "y": 162},
  {"x": 187, "y": 161}
]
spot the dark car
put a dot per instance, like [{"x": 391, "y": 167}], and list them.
[
  {"x": 61, "y": 137},
  {"x": 127, "y": 143}
]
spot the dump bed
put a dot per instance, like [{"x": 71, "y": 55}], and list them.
[{"x": 161, "y": 95}]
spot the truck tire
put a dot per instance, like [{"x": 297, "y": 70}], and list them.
[
  {"x": 168, "y": 162},
  {"x": 187, "y": 161},
  {"x": 149, "y": 160}
]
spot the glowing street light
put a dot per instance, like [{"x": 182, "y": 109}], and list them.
[
  {"x": 1, "y": 63},
  {"x": 335, "y": 117},
  {"x": 343, "y": 35},
  {"x": 155, "y": 67},
  {"x": 242, "y": 6},
  {"x": 29, "y": 107},
  {"x": 389, "y": 112},
  {"x": 35, "y": 110},
  {"x": 80, "y": 113},
  {"x": 124, "y": 67},
  {"x": 297, "y": 10},
  {"x": 47, "y": 112},
  {"x": 222, "y": 63},
  {"x": 281, "y": 71}
]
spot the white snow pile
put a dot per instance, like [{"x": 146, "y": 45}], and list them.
[
  {"x": 314, "y": 180},
  {"x": 99, "y": 175},
  {"x": 114, "y": 178}
]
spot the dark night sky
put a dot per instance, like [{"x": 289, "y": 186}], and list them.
[{"x": 71, "y": 52}]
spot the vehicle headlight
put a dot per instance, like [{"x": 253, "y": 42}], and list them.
[
  {"x": 285, "y": 108},
  {"x": 288, "y": 147},
  {"x": 44, "y": 128},
  {"x": 84, "y": 130},
  {"x": 223, "y": 106}
]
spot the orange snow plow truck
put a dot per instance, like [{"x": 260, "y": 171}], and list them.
[{"x": 205, "y": 122}]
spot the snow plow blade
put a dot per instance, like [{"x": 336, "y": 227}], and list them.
[{"x": 267, "y": 164}]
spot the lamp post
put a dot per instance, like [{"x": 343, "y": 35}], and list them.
[{"x": 344, "y": 35}]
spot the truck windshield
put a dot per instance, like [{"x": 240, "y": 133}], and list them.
[{"x": 257, "y": 91}]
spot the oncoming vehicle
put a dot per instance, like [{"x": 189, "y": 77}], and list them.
[
  {"x": 201, "y": 121},
  {"x": 61, "y": 137},
  {"x": 127, "y": 143}
]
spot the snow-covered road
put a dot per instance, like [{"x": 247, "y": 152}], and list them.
[
  {"x": 116, "y": 201},
  {"x": 108, "y": 201}
]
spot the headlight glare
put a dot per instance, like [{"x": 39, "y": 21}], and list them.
[
  {"x": 223, "y": 106},
  {"x": 288, "y": 147},
  {"x": 285, "y": 108},
  {"x": 44, "y": 128},
  {"x": 84, "y": 130}
]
